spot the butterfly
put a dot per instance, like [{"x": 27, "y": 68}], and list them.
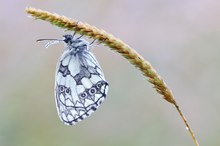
[{"x": 80, "y": 85}]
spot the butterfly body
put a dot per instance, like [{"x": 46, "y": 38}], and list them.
[{"x": 80, "y": 85}]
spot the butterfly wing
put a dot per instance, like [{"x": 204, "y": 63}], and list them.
[{"x": 80, "y": 86}]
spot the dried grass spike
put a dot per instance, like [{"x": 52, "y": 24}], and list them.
[{"x": 117, "y": 45}]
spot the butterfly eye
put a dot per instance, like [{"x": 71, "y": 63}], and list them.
[
  {"x": 92, "y": 91},
  {"x": 83, "y": 95}
]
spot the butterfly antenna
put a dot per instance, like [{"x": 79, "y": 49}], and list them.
[
  {"x": 51, "y": 41},
  {"x": 39, "y": 40}
]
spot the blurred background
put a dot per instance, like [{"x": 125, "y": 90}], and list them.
[{"x": 179, "y": 38}]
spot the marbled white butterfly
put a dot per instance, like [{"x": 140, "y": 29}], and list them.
[{"x": 80, "y": 85}]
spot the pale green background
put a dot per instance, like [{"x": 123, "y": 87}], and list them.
[{"x": 180, "y": 39}]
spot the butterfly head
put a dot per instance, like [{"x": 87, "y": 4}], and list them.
[
  {"x": 68, "y": 39},
  {"x": 76, "y": 44}
]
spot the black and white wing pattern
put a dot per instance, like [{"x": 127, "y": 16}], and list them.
[{"x": 80, "y": 85}]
